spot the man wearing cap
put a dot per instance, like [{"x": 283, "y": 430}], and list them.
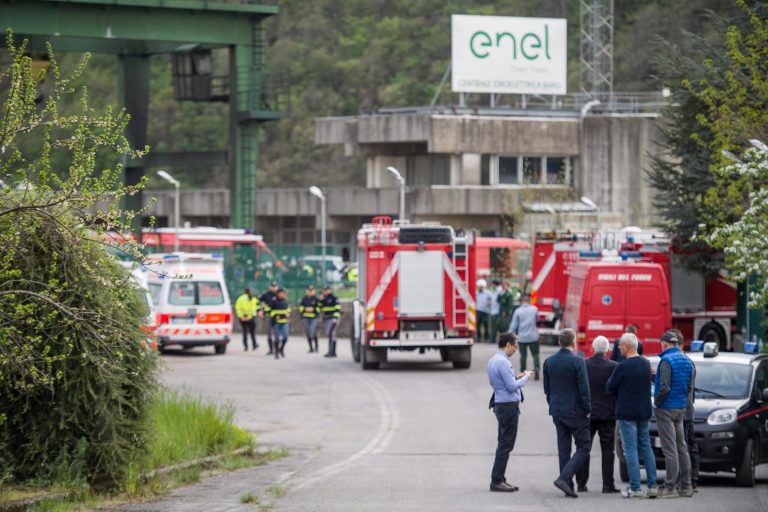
[
  {"x": 308, "y": 309},
  {"x": 265, "y": 301},
  {"x": 671, "y": 392},
  {"x": 246, "y": 307},
  {"x": 483, "y": 305},
  {"x": 331, "y": 314},
  {"x": 524, "y": 325}
]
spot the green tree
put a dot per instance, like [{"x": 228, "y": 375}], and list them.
[{"x": 74, "y": 378}]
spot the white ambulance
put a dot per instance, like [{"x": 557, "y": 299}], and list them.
[{"x": 190, "y": 298}]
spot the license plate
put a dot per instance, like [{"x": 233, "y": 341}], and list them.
[
  {"x": 421, "y": 336},
  {"x": 182, "y": 320},
  {"x": 657, "y": 442}
]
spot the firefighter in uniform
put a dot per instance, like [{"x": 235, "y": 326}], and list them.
[
  {"x": 331, "y": 314},
  {"x": 506, "y": 306},
  {"x": 265, "y": 301},
  {"x": 280, "y": 313},
  {"x": 308, "y": 309},
  {"x": 246, "y": 307}
]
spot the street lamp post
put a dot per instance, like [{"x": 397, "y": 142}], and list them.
[
  {"x": 401, "y": 181},
  {"x": 176, "y": 206},
  {"x": 315, "y": 191},
  {"x": 587, "y": 201}
]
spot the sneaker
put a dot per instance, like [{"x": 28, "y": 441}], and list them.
[
  {"x": 685, "y": 493},
  {"x": 636, "y": 495},
  {"x": 653, "y": 492},
  {"x": 668, "y": 492}
]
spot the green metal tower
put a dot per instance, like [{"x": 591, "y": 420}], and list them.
[{"x": 188, "y": 29}]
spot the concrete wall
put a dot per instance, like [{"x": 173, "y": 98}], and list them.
[{"x": 617, "y": 153}]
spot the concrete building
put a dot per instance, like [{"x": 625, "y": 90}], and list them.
[{"x": 504, "y": 171}]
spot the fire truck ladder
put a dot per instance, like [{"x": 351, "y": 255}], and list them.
[{"x": 460, "y": 262}]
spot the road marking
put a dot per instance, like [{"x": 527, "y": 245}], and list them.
[{"x": 389, "y": 423}]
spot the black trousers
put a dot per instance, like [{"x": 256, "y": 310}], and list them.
[
  {"x": 606, "y": 429},
  {"x": 507, "y": 417},
  {"x": 576, "y": 428},
  {"x": 249, "y": 327}
]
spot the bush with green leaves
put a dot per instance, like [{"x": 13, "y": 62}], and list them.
[{"x": 75, "y": 382}]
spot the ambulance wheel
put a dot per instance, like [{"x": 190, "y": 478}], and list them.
[
  {"x": 220, "y": 349},
  {"x": 444, "y": 355},
  {"x": 365, "y": 355}
]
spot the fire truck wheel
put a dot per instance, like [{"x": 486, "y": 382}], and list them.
[
  {"x": 462, "y": 358},
  {"x": 354, "y": 343},
  {"x": 712, "y": 332},
  {"x": 366, "y": 354}
]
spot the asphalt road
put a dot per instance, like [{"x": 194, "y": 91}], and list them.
[{"x": 414, "y": 435}]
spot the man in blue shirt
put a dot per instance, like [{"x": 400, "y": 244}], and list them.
[
  {"x": 566, "y": 387},
  {"x": 524, "y": 325},
  {"x": 507, "y": 395}
]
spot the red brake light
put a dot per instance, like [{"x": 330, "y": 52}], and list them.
[{"x": 163, "y": 319}]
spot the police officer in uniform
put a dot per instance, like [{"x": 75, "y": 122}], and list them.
[
  {"x": 265, "y": 301},
  {"x": 246, "y": 307},
  {"x": 331, "y": 314},
  {"x": 308, "y": 309},
  {"x": 280, "y": 313}
]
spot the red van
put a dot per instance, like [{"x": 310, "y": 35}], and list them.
[{"x": 605, "y": 296}]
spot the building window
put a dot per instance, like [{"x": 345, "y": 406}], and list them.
[
  {"x": 508, "y": 172},
  {"x": 426, "y": 170},
  {"x": 485, "y": 169},
  {"x": 531, "y": 170},
  {"x": 556, "y": 170}
]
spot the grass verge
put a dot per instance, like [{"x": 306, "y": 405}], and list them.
[{"x": 188, "y": 437}]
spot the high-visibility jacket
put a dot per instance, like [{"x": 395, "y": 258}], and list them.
[
  {"x": 246, "y": 307},
  {"x": 330, "y": 306},
  {"x": 352, "y": 275},
  {"x": 308, "y": 308},
  {"x": 266, "y": 300},
  {"x": 280, "y": 311}
]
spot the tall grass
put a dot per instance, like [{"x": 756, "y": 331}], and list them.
[{"x": 184, "y": 427}]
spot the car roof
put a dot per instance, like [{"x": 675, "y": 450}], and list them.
[{"x": 722, "y": 357}]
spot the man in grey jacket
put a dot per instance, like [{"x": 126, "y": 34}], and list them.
[{"x": 524, "y": 325}]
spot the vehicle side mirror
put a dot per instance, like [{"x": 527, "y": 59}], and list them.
[{"x": 765, "y": 395}]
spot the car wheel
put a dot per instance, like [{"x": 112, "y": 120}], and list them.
[
  {"x": 745, "y": 473},
  {"x": 220, "y": 349},
  {"x": 623, "y": 472}
]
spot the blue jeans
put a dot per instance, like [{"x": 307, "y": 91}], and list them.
[
  {"x": 281, "y": 331},
  {"x": 634, "y": 437}
]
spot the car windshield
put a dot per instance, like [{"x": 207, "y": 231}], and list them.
[
  {"x": 722, "y": 380},
  {"x": 195, "y": 293}
]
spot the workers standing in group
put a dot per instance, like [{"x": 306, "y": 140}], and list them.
[
  {"x": 331, "y": 314},
  {"x": 246, "y": 308},
  {"x": 309, "y": 309},
  {"x": 266, "y": 300},
  {"x": 280, "y": 313}
]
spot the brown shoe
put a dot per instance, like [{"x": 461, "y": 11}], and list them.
[{"x": 503, "y": 487}]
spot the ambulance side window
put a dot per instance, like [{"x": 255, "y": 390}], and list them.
[
  {"x": 154, "y": 291},
  {"x": 182, "y": 294}
]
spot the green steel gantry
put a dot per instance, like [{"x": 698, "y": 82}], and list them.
[{"x": 136, "y": 29}]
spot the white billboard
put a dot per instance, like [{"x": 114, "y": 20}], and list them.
[{"x": 498, "y": 54}]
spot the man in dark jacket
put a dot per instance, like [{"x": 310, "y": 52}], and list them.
[
  {"x": 616, "y": 354},
  {"x": 631, "y": 383},
  {"x": 265, "y": 302},
  {"x": 331, "y": 314},
  {"x": 603, "y": 418},
  {"x": 567, "y": 389}
]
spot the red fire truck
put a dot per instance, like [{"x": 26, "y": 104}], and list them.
[
  {"x": 416, "y": 291},
  {"x": 701, "y": 308}
]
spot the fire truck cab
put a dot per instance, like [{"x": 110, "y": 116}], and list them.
[{"x": 416, "y": 291}]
